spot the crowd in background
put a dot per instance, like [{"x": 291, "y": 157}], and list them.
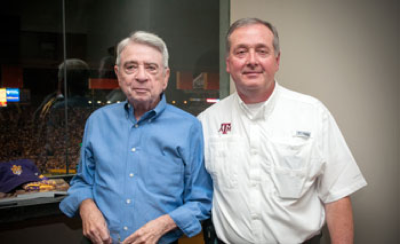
[{"x": 46, "y": 141}]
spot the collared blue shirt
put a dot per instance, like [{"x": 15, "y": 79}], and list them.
[{"x": 137, "y": 171}]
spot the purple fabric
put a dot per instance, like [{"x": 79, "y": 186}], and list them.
[{"x": 17, "y": 172}]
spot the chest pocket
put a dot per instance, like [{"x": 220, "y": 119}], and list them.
[
  {"x": 223, "y": 156},
  {"x": 291, "y": 166}
]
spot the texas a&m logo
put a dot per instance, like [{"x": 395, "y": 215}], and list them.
[{"x": 225, "y": 128}]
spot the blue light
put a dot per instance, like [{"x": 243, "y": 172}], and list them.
[{"x": 13, "y": 94}]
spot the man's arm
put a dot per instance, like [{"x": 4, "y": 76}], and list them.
[
  {"x": 339, "y": 215},
  {"x": 152, "y": 231},
  {"x": 82, "y": 183},
  {"x": 93, "y": 223},
  {"x": 198, "y": 190}
]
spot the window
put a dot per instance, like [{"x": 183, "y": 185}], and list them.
[{"x": 43, "y": 108}]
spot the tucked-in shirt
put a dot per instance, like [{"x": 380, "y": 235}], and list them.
[
  {"x": 274, "y": 166},
  {"x": 136, "y": 171}
]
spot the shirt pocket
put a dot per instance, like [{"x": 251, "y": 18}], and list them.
[
  {"x": 290, "y": 164},
  {"x": 223, "y": 156},
  {"x": 169, "y": 171}
]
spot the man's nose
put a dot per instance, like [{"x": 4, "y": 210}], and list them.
[
  {"x": 252, "y": 58},
  {"x": 141, "y": 74}
]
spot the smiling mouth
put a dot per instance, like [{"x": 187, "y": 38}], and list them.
[{"x": 252, "y": 72}]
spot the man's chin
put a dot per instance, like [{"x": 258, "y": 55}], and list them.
[
  {"x": 139, "y": 99},
  {"x": 141, "y": 96},
  {"x": 253, "y": 83}
]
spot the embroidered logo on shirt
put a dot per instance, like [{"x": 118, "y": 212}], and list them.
[
  {"x": 225, "y": 128},
  {"x": 304, "y": 134}
]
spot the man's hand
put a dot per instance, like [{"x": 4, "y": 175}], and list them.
[
  {"x": 151, "y": 232},
  {"x": 339, "y": 216},
  {"x": 93, "y": 223}
]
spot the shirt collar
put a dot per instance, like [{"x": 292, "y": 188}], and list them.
[
  {"x": 151, "y": 114},
  {"x": 265, "y": 110}
]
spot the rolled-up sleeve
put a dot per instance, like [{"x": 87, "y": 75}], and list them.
[
  {"x": 82, "y": 183},
  {"x": 198, "y": 186}
]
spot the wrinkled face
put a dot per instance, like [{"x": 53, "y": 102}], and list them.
[
  {"x": 251, "y": 61},
  {"x": 142, "y": 75}
]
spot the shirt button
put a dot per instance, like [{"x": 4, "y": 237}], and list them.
[
  {"x": 136, "y": 125},
  {"x": 131, "y": 175},
  {"x": 125, "y": 228},
  {"x": 133, "y": 149},
  {"x": 128, "y": 201}
]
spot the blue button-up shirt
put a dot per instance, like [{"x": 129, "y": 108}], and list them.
[{"x": 136, "y": 171}]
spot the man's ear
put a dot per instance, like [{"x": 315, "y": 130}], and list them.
[
  {"x": 278, "y": 60},
  {"x": 116, "y": 70},
  {"x": 228, "y": 68},
  {"x": 166, "y": 78}
]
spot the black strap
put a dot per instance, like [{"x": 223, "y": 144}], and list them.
[{"x": 209, "y": 234}]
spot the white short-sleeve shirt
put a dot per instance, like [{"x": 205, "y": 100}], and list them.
[{"x": 274, "y": 166}]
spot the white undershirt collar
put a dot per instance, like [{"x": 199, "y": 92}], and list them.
[{"x": 262, "y": 110}]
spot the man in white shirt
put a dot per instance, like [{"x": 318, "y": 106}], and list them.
[{"x": 280, "y": 165}]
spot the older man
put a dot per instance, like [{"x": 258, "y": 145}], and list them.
[
  {"x": 280, "y": 165},
  {"x": 141, "y": 176}
]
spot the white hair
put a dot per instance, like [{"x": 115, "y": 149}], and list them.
[{"x": 145, "y": 38}]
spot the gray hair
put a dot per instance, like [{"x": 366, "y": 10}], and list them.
[
  {"x": 145, "y": 38},
  {"x": 252, "y": 21}
]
